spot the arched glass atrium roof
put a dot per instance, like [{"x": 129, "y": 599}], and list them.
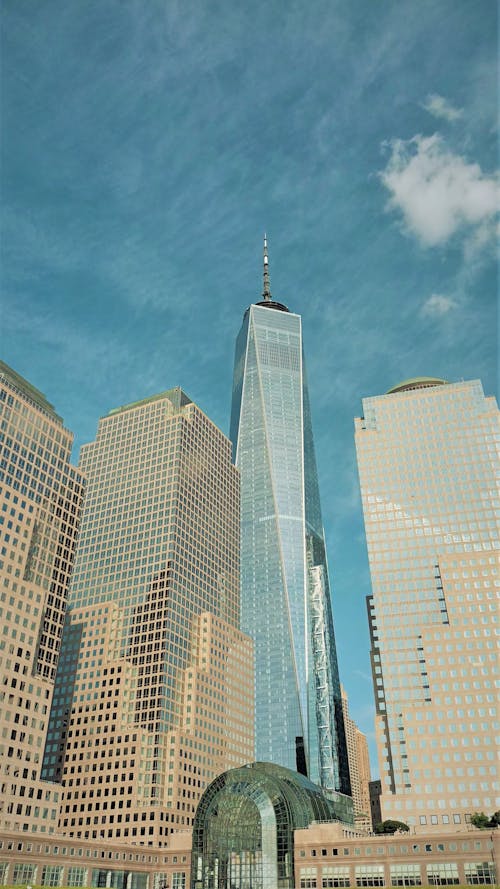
[{"x": 244, "y": 824}]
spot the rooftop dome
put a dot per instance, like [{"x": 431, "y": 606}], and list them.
[{"x": 416, "y": 383}]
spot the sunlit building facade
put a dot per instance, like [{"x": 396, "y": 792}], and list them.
[
  {"x": 40, "y": 501},
  {"x": 427, "y": 456},
  {"x": 153, "y": 696},
  {"x": 326, "y": 855},
  {"x": 359, "y": 767},
  {"x": 285, "y": 592}
]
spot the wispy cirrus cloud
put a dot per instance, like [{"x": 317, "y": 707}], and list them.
[
  {"x": 438, "y": 192},
  {"x": 438, "y": 305},
  {"x": 439, "y": 107},
  {"x": 74, "y": 345}
]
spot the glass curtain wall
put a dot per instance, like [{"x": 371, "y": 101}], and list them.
[{"x": 285, "y": 594}]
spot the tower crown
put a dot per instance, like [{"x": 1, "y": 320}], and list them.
[{"x": 267, "y": 299}]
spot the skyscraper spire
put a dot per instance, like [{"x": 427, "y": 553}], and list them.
[
  {"x": 266, "y": 293},
  {"x": 285, "y": 592}
]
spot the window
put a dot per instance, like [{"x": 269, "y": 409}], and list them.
[
  {"x": 116, "y": 879},
  {"x": 445, "y": 874},
  {"x": 52, "y": 874},
  {"x": 179, "y": 880},
  {"x": 370, "y": 875},
  {"x": 335, "y": 875},
  {"x": 308, "y": 877},
  {"x": 77, "y": 876},
  {"x": 405, "y": 875},
  {"x": 23, "y": 873},
  {"x": 480, "y": 873}
]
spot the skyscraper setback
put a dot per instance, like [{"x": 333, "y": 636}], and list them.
[
  {"x": 285, "y": 589},
  {"x": 154, "y": 691},
  {"x": 40, "y": 501},
  {"x": 427, "y": 456}
]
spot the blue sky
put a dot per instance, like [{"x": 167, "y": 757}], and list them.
[{"x": 146, "y": 148}]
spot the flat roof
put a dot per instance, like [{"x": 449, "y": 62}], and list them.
[
  {"x": 25, "y": 388},
  {"x": 176, "y": 396}
]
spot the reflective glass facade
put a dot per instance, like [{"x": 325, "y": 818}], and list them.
[
  {"x": 427, "y": 456},
  {"x": 285, "y": 594}
]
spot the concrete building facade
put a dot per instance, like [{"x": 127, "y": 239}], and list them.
[
  {"x": 329, "y": 855},
  {"x": 427, "y": 457},
  {"x": 40, "y": 501},
  {"x": 153, "y": 695},
  {"x": 325, "y": 856},
  {"x": 359, "y": 768}
]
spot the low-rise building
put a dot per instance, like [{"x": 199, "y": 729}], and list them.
[{"x": 326, "y": 855}]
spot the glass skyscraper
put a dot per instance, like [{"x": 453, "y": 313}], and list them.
[
  {"x": 285, "y": 593},
  {"x": 427, "y": 455}
]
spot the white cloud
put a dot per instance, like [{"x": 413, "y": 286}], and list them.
[
  {"x": 438, "y": 106},
  {"x": 438, "y": 192},
  {"x": 366, "y": 676},
  {"x": 437, "y": 305}
]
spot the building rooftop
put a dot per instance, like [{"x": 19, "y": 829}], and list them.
[
  {"x": 416, "y": 383},
  {"x": 176, "y": 396},
  {"x": 29, "y": 391}
]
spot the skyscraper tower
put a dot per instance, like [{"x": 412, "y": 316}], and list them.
[
  {"x": 359, "y": 768},
  {"x": 285, "y": 593},
  {"x": 153, "y": 696},
  {"x": 40, "y": 500},
  {"x": 427, "y": 457}
]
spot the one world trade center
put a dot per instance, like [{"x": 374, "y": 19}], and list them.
[{"x": 285, "y": 594}]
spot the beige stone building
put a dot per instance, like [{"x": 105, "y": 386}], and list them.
[
  {"x": 428, "y": 455},
  {"x": 154, "y": 696},
  {"x": 329, "y": 855},
  {"x": 40, "y": 500},
  {"x": 325, "y": 856},
  {"x": 359, "y": 767}
]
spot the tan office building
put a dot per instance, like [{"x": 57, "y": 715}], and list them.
[
  {"x": 40, "y": 501},
  {"x": 154, "y": 696},
  {"x": 359, "y": 767},
  {"x": 427, "y": 456}
]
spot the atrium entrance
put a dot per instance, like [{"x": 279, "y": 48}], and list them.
[{"x": 244, "y": 826}]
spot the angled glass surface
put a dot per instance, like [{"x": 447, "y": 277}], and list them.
[{"x": 285, "y": 595}]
